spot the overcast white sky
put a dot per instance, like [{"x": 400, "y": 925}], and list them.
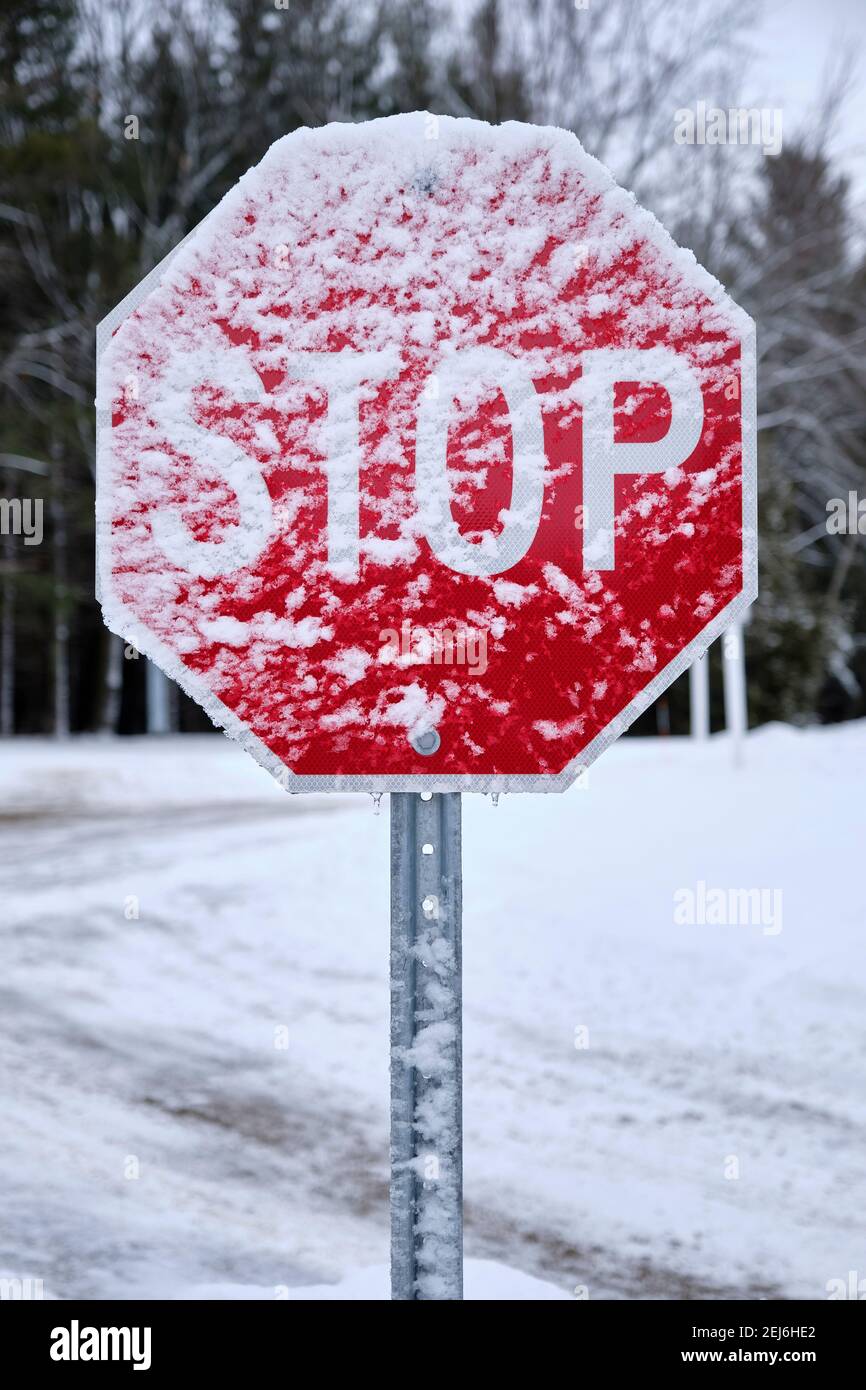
[{"x": 796, "y": 39}]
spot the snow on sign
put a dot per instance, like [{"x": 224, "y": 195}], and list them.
[{"x": 427, "y": 460}]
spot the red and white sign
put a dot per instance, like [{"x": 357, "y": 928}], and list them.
[{"x": 427, "y": 460}]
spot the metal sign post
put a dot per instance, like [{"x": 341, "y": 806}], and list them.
[{"x": 426, "y": 1047}]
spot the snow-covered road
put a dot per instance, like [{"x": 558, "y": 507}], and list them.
[{"x": 195, "y": 991}]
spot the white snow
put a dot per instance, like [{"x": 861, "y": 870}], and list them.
[
  {"x": 350, "y": 664},
  {"x": 195, "y": 990},
  {"x": 482, "y": 1280}
]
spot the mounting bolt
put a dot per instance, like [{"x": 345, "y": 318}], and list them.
[{"x": 426, "y": 742}]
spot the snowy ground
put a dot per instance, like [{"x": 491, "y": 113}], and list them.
[{"x": 152, "y": 1043}]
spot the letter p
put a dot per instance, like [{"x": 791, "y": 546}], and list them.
[{"x": 604, "y": 457}]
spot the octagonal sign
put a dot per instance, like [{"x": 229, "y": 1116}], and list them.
[{"x": 427, "y": 461}]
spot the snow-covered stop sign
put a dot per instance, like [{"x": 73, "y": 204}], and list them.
[{"x": 427, "y": 460}]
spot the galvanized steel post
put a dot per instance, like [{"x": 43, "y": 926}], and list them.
[{"x": 426, "y": 1047}]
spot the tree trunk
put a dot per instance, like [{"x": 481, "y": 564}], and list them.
[
  {"x": 61, "y": 598},
  {"x": 113, "y": 687},
  {"x": 158, "y": 701},
  {"x": 7, "y": 645},
  {"x": 734, "y": 681},
  {"x": 699, "y": 698}
]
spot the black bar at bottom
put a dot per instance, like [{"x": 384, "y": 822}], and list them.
[{"x": 223, "y": 1337}]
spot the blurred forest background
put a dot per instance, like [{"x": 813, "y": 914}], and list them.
[{"x": 91, "y": 200}]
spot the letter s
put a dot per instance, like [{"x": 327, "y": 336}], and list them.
[{"x": 243, "y": 544}]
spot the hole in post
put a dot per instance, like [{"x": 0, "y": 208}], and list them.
[{"x": 427, "y": 849}]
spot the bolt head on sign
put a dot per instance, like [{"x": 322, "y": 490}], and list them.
[{"x": 427, "y": 460}]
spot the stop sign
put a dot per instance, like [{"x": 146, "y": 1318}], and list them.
[{"x": 427, "y": 460}]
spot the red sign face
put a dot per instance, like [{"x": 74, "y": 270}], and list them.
[{"x": 427, "y": 460}]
